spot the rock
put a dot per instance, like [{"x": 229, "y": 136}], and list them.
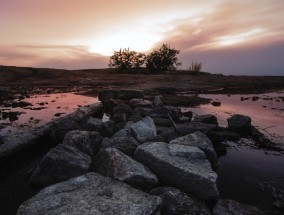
[
  {"x": 106, "y": 128},
  {"x": 134, "y": 103},
  {"x": 144, "y": 129},
  {"x": 162, "y": 122},
  {"x": 93, "y": 124},
  {"x": 21, "y": 104},
  {"x": 88, "y": 142},
  {"x": 169, "y": 134},
  {"x": 110, "y": 104},
  {"x": 201, "y": 141},
  {"x": 184, "y": 119},
  {"x": 227, "y": 206},
  {"x": 190, "y": 127},
  {"x": 59, "y": 164},
  {"x": 180, "y": 166},
  {"x": 122, "y": 109},
  {"x": 239, "y": 123},
  {"x": 176, "y": 202},
  {"x": 119, "y": 118},
  {"x": 125, "y": 132},
  {"x": 91, "y": 194},
  {"x": 120, "y": 94},
  {"x": 222, "y": 134},
  {"x": 188, "y": 114},
  {"x": 216, "y": 103},
  {"x": 165, "y": 111},
  {"x": 208, "y": 118},
  {"x": 126, "y": 144},
  {"x": 113, "y": 163},
  {"x": 142, "y": 111},
  {"x": 157, "y": 102}
]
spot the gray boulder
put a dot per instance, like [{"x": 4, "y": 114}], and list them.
[
  {"x": 92, "y": 124},
  {"x": 59, "y": 164},
  {"x": 125, "y": 144},
  {"x": 86, "y": 141},
  {"x": 91, "y": 194},
  {"x": 169, "y": 134},
  {"x": 227, "y": 206},
  {"x": 176, "y": 202},
  {"x": 144, "y": 129},
  {"x": 180, "y": 166},
  {"x": 190, "y": 127},
  {"x": 157, "y": 102},
  {"x": 208, "y": 118},
  {"x": 201, "y": 141},
  {"x": 239, "y": 123},
  {"x": 113, "y": 163}
]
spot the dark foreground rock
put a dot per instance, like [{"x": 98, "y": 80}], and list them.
[
  {"x": 86, "y": 141},
  {"x": 208, "y": 118},
  {"x": 190, "y": 127},
  {"x": 144, "y": 129},
  {"x": 201, "y": 141},
  {"x": 180, "y": 166},
  {"x": 113, "y": 163},
  {"x": 227, "y": 206},
  {"x": 239, "y": 123},
  {"x": 176, "y": 202},
  {"x": 91, "y": 194},
  {"x": 61, "y": 163}
]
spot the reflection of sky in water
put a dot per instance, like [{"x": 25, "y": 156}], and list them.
[
  {"x": 64, "y": 103},
  {"x": 261, "y": 112}
]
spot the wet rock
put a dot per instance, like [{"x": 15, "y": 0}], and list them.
[
  {"x": 180, "y": 166},
  {"x": 227, "y": 206},
  {"x": 176, "y": 202},
  {"x": 239, "y": 123},
  {"x": 125, "y": 144},
  {"x": 134, "y": 103},
  {"x": 91, "y": 194},
  {"x": 59, "y": 164},
  {"x": 86, "y": 141},
  {"x": 113, "y": 163},
  {"x": 92, "y": 124},
  {"x": 201, "y": 141},
  {"x": 221, "y": 134},
  {"x": 58, "y": 114},
  {"x": 157, "y": 102},
  {"x": 208, "y": 118},
  {"x": 106, "y": 128},
  {"x": 21, "y": 104},
  {"x": 12, "y": 115},
  {"x": 144, "y": 129},
  {"x": 216, "y": 103},
  {"x": 120, "y": 94},
  {"x": 190, "y": 127},
  {"x": 169, "y": 134},
  {"x": 122, "y": 109}
]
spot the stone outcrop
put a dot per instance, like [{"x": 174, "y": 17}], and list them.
[
  {"x": 91, "y": 194},
  {"x": 180, "y": 166},
  {"x": 113, "y": 163}
]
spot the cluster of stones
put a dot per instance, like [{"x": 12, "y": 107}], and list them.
[{"x": 148, "y": 158}]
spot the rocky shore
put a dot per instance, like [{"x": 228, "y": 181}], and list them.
[{"x": 147, "y": 158}]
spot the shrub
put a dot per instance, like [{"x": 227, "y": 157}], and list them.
[{"x": 195, "y": 67}]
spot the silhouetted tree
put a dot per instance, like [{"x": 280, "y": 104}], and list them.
[
  {"x": 126, "y": 59},
  {"x": 162, "y": 59}
]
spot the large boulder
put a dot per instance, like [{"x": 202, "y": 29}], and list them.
[
  {"x": 201, "y": 141},
  {"x": 59, "y": 164},
  {"x": 144, "y": 129},
  {"x": 239, "y": 123},
  {"x": 208, "y": 118},
  {"x": 113, "y": 163},
  {"x": 180, "y": 166},
  {"x": 190, "y": 127},
  {"x": 176, "y": 202},
  {"x": 120, "y": 94},
  {"x": 91, "y": 194},
  {"x": 227, "y": 206},
  {"x": 86, "y": 141},
  {"x": 125, "y": 144}
]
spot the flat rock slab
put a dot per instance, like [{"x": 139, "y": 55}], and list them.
[
  {"x": 180, "y": 166},
  {"x": 226, "y": 206},
  {"x": 113, "y": 163},
  {"x": 144, "y": 129},
  {"x": 61, "y": 163},
  {"x": 201, "y": 141},
  {"x": 91, "y": 194}
]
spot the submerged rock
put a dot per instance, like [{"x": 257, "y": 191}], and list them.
[
  {"x": 239, "y": 123},
  {"x": 59, "y": 164},
  {"x": 176, "y": 202},
  {"x": 91, "y": 194},
  {"x": 144, "y": 129},
  {"x": 113, "y": 163},
  {"x": 201, "y": 141},
  {"x": 184, "y": 167},
  {"x": 227, "y": 206}
]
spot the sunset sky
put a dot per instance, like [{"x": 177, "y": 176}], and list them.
[{"x": 227, "y": 36}]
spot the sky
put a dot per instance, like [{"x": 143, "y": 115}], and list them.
[{"x": 244, "y": 37}]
